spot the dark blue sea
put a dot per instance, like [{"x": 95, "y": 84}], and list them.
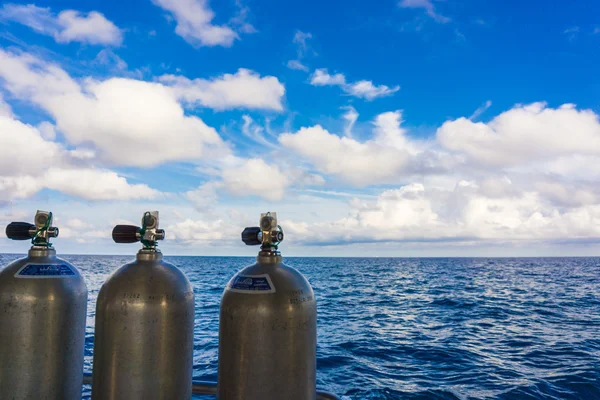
[{"x": 396, "y": 328}]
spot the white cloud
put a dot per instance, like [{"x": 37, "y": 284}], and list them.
[
  {"x": 362, "y": 89},
  {"x": 383, "y": 159},
  {"x": 528, "y": 174},
  {"x": 297, "y": 65},
  {"x": 483, "y": 108},
  {"x": 302, "y": 47},
  {"x": 29, "y": 163},
  {"x": 205, "y": 196},
  {"x": 89, "y": 184},
  {"x": 239, "y": 20},
  {"x": 107, "y": 57},
  {"x": 524, "y": 134},
  {"x": 243, "y": 177},
  {"x": 5, "y": 108},
  {"x": 351, "y": 116},
  {"x": 255, "y": 133},
  {"x": 18, "y": 187},
  {"x": 47, "y": 130},
  {"x": 92, "y": 28},
  {"x": 68, "y": 26},
  {"x": 428, "y": 6},
  {"x": 302, "y": 178},
  {"x": 322, "y": 78},
  {"x": 414, "y": 213},
  {"x": 23, "y": 151},
  {"x": 76, "y": 223},
  {"x": 366, "y": 90},
  {"x": 212, "y": 232},
  {"x": 244, "y": 89},
  {"x": 129, "y": 122},
  {"x": 194, "y": 23},
  {"x": 389, "y": 132},
  {"x": 300, "y": 39},
  {"x": 256, "y": 177},
  {"x": 94, "y": 184}
]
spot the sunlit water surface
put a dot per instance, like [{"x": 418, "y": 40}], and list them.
[{"x": 522, "y": 328}]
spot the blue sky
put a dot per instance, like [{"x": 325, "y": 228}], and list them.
[{"x": 413, "y": 127}]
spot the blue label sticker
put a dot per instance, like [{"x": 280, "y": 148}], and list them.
[
  {"x": 45, "y": 271},
  {"x": 256, "y": 284}
]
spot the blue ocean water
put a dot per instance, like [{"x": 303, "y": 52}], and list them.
[{"x": 396, "y": 328}]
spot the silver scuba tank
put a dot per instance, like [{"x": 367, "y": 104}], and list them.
[
  {"x": 43, "y": 304},
  {"x": 144, "y": 324},
  {"x": 268, "y": 326}
]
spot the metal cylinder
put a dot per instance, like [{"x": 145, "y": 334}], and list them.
[
  {"x": 43, "y": 304},
  {"x": 144, "y": 332},
  {"x": 267, "y": 334}
]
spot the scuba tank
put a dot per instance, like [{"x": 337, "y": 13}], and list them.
[
  {"x": 144, "y": 324},
  {"x": 267, "y": 326},
  {"x": 43, "y": 305}
]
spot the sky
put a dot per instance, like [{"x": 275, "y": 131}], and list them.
[{"x": 387, "y": 128}]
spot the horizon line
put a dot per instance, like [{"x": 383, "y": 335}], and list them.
[{"x": 299, "y": 256}]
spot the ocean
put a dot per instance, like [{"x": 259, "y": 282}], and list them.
[{"x": 421, "y": 328}]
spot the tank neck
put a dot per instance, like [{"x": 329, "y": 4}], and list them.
[
  {"x": 149, "y": 255},
  {"x": 269, "y": 257},
  {"x": 42, "y": 251}
]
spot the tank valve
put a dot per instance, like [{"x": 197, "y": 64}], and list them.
[
  {"x": 269, "y": 234},
  {"x": 39, "y": 233},
  {"x": 148, "y": 234}
]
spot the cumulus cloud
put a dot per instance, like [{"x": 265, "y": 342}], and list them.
[
  {"x": 68, "y": 26},
  {"x": 362, "y": 89},
  {"x": 5, "y": 108},
  {"x": 19, "y": 142},
  {"x": 48, "y": 132},
  {"x": 358, "y": 163},
  {"x": 30, "y": 163},
  {"x": 529, "y": 173},
  {"x": 129, "y": 122},
  {"x": 428, "y": 6},
  {"x": 415, "y": 213},
  {"x": 322, "y": 78},
  {"x": 256, "y": 177},
  {"x": 18, "y": 187},
  {"x": 383, "y": 159},
  {"x": 194, "y": 23},
  {"x": 95, "y": 184},
  {"x": 242, "y": 177},
  {"x": 525, "y": 140},
  {"x": 205, "y": 196},
  {"x": 244, "y": 89},
  {"x": 524, "y": 134}
]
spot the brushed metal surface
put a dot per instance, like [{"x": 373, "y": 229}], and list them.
[
  {"x": 267, "y": 341},
  {"x": 42, "y": 331},
  {"x": 144, "y": 333}
]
